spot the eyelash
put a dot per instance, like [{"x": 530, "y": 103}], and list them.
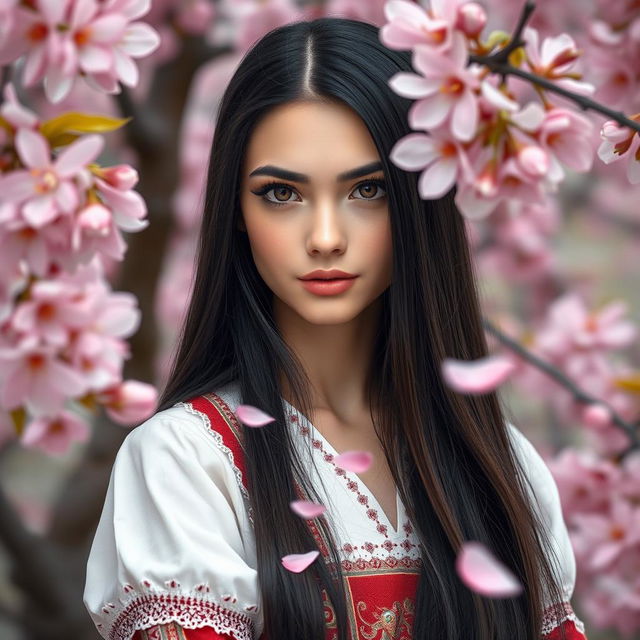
[{"x": 271, "y": 185}]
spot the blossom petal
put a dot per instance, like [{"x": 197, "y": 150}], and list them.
[
  {"x": 298, "y": 562},
  {"x": 438, "y": 178},
  {"x": 94, "y": 59},
  {"x": 413, "y": 152},
  {"x": 139, "y": 40},
  {"x": 307, "y": 509},
  {"x": 464, "y": 120},
  {"x": 429, "y": 112},
  {"x": 412, "y": 85},
  {"x": 477, "y": 376},
  {"x": 78, "y": 154},
  {"x": 33, "y": 149},
  {"x": 252, "y": 416},
  {"x": 482, "y": 572},
  {"x": 39, "y": 211},
  {"x": 356, "y": 461}
]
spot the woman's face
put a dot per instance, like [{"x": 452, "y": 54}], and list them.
[{"x": 315, "y": 217}]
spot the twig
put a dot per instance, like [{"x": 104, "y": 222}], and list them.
[
  {"x": 578, "y": 394},
  {"x": 502, "y": 56}
]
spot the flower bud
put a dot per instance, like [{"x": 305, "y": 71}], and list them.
[
  {"x": 471, "y": 19},
  {"x": 121, "y": 176}
]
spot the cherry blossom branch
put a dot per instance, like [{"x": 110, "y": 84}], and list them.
[
  {"x": 554, "y": 373},
  {"x": 498, "y": 62}
]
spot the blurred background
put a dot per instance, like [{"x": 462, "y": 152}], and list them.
[{"x": 558, "y": 278}]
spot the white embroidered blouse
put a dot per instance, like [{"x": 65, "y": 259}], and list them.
[{"x": 175, "y": 537}]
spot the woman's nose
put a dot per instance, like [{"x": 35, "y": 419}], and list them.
[{"x": 327, "y": 233}]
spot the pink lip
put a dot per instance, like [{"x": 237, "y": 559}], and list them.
[
  {"x": 328, "y": 287},
  {"x": 331, "y": 274}
]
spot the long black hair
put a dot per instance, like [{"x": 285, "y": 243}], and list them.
[{"x": 450, "y": 454}]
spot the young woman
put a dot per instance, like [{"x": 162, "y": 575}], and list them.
[{"x": 197, "y": 515}]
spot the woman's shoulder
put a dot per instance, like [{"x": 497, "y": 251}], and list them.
[{"x": 185, "y": 421}]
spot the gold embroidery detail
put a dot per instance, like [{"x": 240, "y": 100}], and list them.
[{"x": 395, "y": 623}]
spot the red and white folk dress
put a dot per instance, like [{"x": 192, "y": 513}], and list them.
[{"x": 174, "y": 554}]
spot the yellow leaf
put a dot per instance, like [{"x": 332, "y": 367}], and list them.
[
  {"x": 517, "y": 57},
  {"x": 630, "y": 383},
  {"x": 59, "y": 129},
  {"x": 19, "y": 417},
  {"x": 495, "y": 38}
]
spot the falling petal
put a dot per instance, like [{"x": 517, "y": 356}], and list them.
[
  {"x": 307, "y": 509},
  {"x": 485, "y": 574},
  {"x": 477, "y": 376},
  {"x": 252, "y": 416},
  {"x": 297, "y": 562},
  {"x": 356, "y": 461}
]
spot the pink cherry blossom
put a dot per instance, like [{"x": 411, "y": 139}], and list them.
[
  {"x": 71, "y": 38},
  {"x": 482, "y": 572},
  {"x": 446, "y": 92},
  {"x": 619, "y": 142},
  {"x": 571, "y": 326},
  {"x": 410, "y": 25},
  {"x": 567, "y": 136},
  {"x": 55, "y": 435},
  {"x": 51, "y": 312},
  {"x": 555, "y": 59},
  {"x": 584, "y": 481},
  {"x": 611, "y": 534},
  {"x": 37, "y": 379},
  {"x": 129, "y": 402},
  {"x": 45, "y": 188}
]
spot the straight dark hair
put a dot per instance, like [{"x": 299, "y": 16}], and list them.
[{"x": 450, "y": 454}]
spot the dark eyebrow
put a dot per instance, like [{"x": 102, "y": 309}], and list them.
[{"x": 293, "y": 176}]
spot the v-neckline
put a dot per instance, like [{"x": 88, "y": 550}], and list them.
[{"x": 395, "y": 531}]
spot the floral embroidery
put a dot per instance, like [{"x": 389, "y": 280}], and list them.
[
  {"x": 188, "y": 611},
  {"x": 556, "y": 615},
  {"x": 387, "y": 624}
]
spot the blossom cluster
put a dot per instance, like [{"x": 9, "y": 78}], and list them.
[
  {"x": 61, "y": 329},
  {"x": 579, "y": 343},
  {"x": 477, "y": 134},
  {"x": 601, "y": 507},
  {"x": 65, "y": 39}
]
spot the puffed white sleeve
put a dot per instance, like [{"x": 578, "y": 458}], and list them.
[
  {"x": 543, "y": 491},
  {"x": 173, "y": 543}
]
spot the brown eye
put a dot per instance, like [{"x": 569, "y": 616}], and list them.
[
  {"x": 370, "y": 189},
  {"x": 281, "y": 191}
]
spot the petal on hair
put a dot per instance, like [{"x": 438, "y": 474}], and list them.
[
  {"x": 485, "y": 574},
  {"x": 356, "y": 461},
  {"x": 477, "y": 376},
  {"x": 298, "y": 562},
  {"x": 413, "y": 152},
  {"x": 252, "y": 416},
  {"x": 307, "y": 509}
]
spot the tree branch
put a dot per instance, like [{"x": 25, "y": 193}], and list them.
[
  {"x": 498, "y": 62},
  {"x": 578, "y": 394}
]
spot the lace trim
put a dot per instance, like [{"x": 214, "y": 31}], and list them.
[
  {"x": 217, "y": 438},
  {"x": 188, "y": 611},
  {"x": 556, "y": 614}
]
